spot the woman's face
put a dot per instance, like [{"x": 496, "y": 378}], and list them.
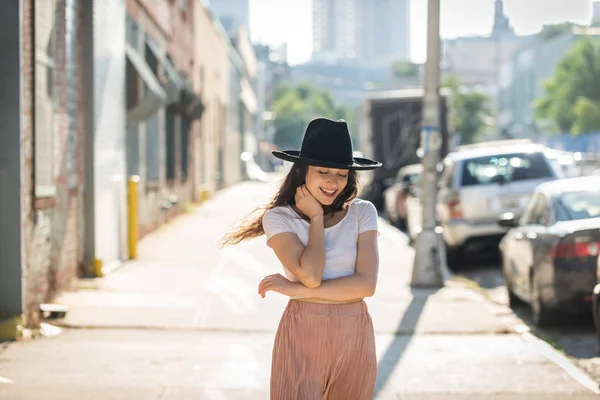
[{"x": 326, "y": 184}]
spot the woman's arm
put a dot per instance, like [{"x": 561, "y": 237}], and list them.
[
  {"x": 305, "y": 263},
  {"x": 361, "y": 284}
]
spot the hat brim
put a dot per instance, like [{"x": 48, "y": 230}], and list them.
[{"x": 359, "y": 164}]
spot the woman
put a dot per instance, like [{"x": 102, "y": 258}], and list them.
[{"x": 326, "y": 240}]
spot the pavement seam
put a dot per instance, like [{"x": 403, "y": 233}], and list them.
[{"x": 272, "y": 331}]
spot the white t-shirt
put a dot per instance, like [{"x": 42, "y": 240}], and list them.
[{"x": 341, "y": 239}]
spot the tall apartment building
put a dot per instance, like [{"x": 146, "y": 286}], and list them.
[
  {"x": 596, "y": 12},
  {"x": 374, "y": 30}
]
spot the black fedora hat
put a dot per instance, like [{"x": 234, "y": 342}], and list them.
[{"x": 327, "y": 144}]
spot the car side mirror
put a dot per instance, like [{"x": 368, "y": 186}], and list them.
[{"x": 508, "y": 220}]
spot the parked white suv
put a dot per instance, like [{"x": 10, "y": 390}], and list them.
[{"x": 479, "y": 183}]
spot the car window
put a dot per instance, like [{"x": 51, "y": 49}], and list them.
[
  {"x": 578, "y": 205},
  {"x": 408, "y": 178},
  {"x": 541, "y": 212},
  {"x": 446, "y": 176},
  {"x": 528, "y": 215},
  {"x": 505, "y": 168}
]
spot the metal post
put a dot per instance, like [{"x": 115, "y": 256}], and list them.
[
  {"x": 89, "y": 208},
  {"x": 427, "y": 268}
]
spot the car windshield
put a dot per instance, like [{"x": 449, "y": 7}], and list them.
[
  {"x": 578, "y": 205},
  {"x": 505, "y": 168},
  {"x": 408, "y": 178}
]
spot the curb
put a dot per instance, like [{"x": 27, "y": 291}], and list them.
[
  {"x": 543, "y": 347},
  {"x": 562, "y": 361}
]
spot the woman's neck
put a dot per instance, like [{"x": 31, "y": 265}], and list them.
[{"x": 326, "y": 212}]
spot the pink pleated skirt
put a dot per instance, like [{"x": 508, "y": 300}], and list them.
[{"x": 325, "y": 352}]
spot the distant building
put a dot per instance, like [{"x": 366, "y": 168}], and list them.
[
  {"x": 523, "y": 76},
  {"x": 502, "y": 27},
  {"x": 476, "y": 60},
  {"x": 272, "y": 68},
  {"x": 374, "y": 30},
  {"x": 276, "y": 68},
  {"x": 231, "y": 13},
  {"x": 347, "y": 82},
  {"x": 596, "y": 12}
]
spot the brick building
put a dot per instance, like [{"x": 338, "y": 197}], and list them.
[
  {"x": 41, "y": 167},
  {"x": 163, "y": 108},
  {"x": 93, "y": 93}
]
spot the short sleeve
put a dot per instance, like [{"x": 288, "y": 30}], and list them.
[
  {"x": 275, "y": 222},
  {"x": 367, "y": 219}
]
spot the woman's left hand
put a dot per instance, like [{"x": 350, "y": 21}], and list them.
[{"x": 277, "y": 283}]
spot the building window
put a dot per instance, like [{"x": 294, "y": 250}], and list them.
[
  {"x": 186, "y": 125},
  {"x": 72, "y": 80},
  {"x": 46, "y": 98},
  {"x": 170, "y": 144},
  {"x": 133, "y": 97},
  {"x": 152, "y": 149},
  {"x": 153, "y": 165},
  {"x": 132, "y": 32},
  {"x": 132, "y": 143}
]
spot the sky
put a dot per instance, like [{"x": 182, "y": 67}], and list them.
[{"x": 276, "y": 21}]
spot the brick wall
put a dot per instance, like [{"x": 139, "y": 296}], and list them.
[
  {"x": 181, "y": 44},
  {"x": 27, "y": 121},
  {"x": 52, "y": 245},
  {"x": 171, "y": 27}
]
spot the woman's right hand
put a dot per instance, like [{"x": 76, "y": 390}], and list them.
[{"x": 307, "y": 204}]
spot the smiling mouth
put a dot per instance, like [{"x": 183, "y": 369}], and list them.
[{"x": 329, "y": 193}]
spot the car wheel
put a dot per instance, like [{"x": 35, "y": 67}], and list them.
[
  {"x": 542, "y": 316},
  {"x": 401, "y": 224},
  {"x": 454, "y": 257},
  {"x": 513, "y": 299}
]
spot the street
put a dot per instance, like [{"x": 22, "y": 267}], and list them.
[
  {"x": 184, "y": 321},
  {"x": 577, "y": 340}
]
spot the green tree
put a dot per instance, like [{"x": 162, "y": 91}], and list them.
[
  {"x": 551, "y": 31},
  {"x": 405, "y": 69},
  {"x": 572, "y": 99},
  {"x": 295, "y": 106},
  {"x": 470, "y": 110}
]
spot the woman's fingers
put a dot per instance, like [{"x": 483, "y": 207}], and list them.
[
  {"x": 266, "y": 284},
  {"x": 265, "y": 288}
]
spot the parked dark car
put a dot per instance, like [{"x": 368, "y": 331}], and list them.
[
  {"x": 399, "y": 192},
  {"x": 549, "y": 255},
  {"x": 596, "y": 303}
]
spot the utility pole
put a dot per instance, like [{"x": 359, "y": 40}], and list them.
[{"x": 427, "y": 268}]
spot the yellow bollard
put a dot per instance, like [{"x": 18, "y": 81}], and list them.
[
  {"x": 10, "y": 327},
  {"x": 132, "y": 223},
  {"x": 97, "y": 267},
  {"x": 204, "y": 195}
]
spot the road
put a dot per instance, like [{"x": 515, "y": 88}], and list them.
[{"x": 577, "y": 340}]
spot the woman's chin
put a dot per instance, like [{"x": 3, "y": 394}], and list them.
[{"x": 326, "y": 201}]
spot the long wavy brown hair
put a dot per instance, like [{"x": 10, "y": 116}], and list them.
[{"x": 251, "y": 227}]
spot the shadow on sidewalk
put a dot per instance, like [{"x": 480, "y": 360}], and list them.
[{"x": 404, "y": 333}]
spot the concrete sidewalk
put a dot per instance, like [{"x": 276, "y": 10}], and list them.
[{"x": 185, "y": 321}]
